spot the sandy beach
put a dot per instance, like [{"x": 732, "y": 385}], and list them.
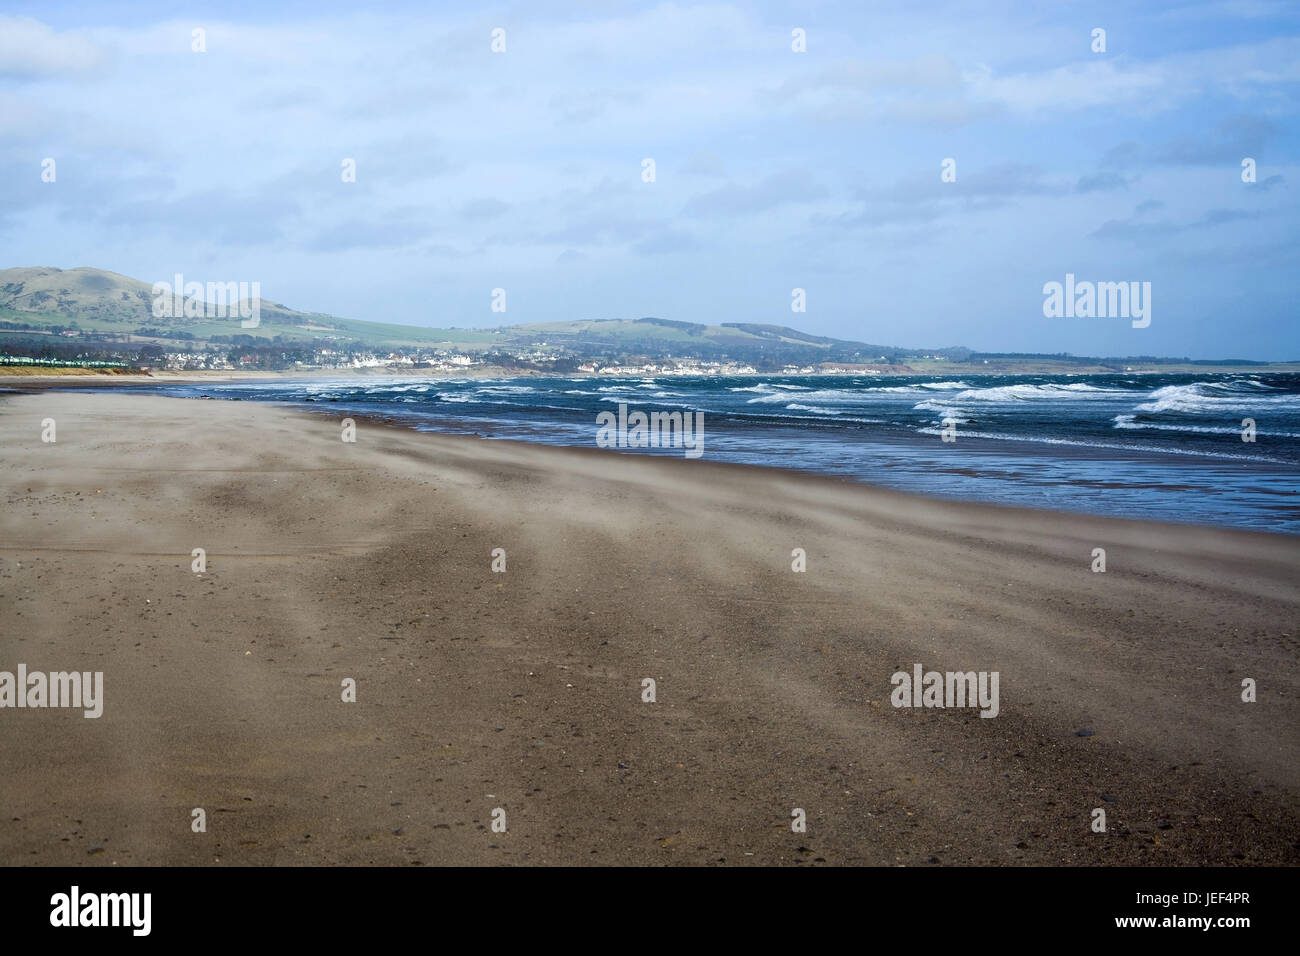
[{"x": 522, "y": 690}]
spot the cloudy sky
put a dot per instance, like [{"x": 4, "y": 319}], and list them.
[{"x": 773, "y": 169}]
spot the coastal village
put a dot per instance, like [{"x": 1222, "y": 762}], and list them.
[
  {"x": 441, "y": 361},
  {"x": 327, "y": 360}
]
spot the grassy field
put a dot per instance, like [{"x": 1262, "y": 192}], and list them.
[{"x": 378, "y": 334}]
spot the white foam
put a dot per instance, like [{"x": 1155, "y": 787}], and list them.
[{"x": 1214, "y": 397}]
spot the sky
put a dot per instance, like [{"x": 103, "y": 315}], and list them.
[{"x": 774, "y": 169}]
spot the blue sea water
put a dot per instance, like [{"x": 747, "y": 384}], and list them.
[{"x": 1155, "y": 446}]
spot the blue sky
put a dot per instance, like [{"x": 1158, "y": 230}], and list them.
[{"x": 774, "y": 170}]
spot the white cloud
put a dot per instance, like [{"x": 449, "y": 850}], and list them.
[{"x": 29, "y": 48}]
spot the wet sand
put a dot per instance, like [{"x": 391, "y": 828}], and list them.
[{"x": 522, "y": 690}]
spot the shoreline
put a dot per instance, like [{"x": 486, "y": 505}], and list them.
[
  {"x": 1011, "y": 448},
  {"x": 1004, "y": 447},
  {"x": 982, "y": 452},
  {"x": 74, "y": 377},
  {"x": 523, "y": 689}
]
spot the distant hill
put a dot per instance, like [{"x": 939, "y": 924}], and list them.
[
  {"x": 100, "y": 301},
  {"x": 652, "y": 336},
  {"x": 114, "y": 314},
  {"x": 97, "y": 300}
]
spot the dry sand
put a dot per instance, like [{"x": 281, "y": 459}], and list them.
[{"x": 522, "y": 690}]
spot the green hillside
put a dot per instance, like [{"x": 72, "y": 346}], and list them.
[
  {"x": 90, "y": 315},
  {"x": 93, "y": 300},
  {"x": 653, "y": 335},
  {"x": 100, "y": 301}
]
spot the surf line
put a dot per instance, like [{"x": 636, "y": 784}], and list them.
[{"x": 656, "y": 430}]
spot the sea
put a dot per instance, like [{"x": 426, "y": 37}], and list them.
[{"x": 1168, "y": 447}]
